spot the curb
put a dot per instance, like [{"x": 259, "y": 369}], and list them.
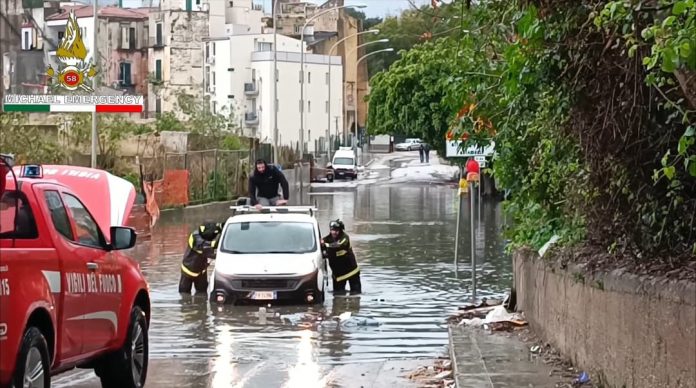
[{"x": 453, "y": 357}]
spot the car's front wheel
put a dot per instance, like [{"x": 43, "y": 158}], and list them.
[
  {"x": 33, "y": 367},
  {"x": 127, "y": 367}
]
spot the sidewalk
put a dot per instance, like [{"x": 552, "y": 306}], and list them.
[{"x": 491, "y": 360}]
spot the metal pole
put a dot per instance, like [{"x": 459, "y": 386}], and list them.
[
  {"x": 2, "y": 64},
  {"x": 302, "y": 66},
  {"x": 459, "y": 219},
  {"x": 335, "y": 45},
  {"x": 275, "y": 84},
  {"x": 328, "y": 114},
  {"x": 473, "y": 246},
  {"x": 95, "y": 55}
]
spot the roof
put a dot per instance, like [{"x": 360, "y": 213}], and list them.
[{"x": 85, "y": 11}]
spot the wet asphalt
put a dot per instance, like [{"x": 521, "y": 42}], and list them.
[{"x": 403, "y": 235}]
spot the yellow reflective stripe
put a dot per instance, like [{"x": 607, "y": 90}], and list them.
[
  {"x": 341, "y": 252},
  {"x": 348, "y": 275},
  {"x": 201, "y": 228},
  {"x": 342, "y": 242},
  {"x": 191, "y": 240},
  {"x": 212, "y": 245},
  {"x": 189, "y": 272}
]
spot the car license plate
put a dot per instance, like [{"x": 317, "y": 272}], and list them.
[{"x": 263, "y": 295}]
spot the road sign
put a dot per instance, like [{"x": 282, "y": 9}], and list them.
[{"x": 453, "y": 150}]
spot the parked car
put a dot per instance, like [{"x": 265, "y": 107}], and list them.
[
  {"x": 319, "y": 174},
  {"x": 344, "y": 164},
  {"x": 68, "y": 297},
  {"x": 269, "y": 255},
  {"x": 409, "y": 145}
]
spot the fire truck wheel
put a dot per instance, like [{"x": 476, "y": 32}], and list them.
[
  {"x": 32, "y": 365},
  {"x": 127, "y": 367}
]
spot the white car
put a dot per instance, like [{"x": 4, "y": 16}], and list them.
[
  {"x": 269, "y": 255},
  {"x": 408, "y": 145}
]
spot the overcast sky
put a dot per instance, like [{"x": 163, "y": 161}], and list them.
[{"x": 379, "y": 8}]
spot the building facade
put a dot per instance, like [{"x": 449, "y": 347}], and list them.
[{"x": 239, "y": 82}]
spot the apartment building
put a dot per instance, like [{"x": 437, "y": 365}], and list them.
[
  {"x": 176, "y": 31},
  {"x": 320, "y": 35},
  {"x": 239, "y": 81}
]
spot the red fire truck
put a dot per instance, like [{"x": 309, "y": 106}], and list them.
[{"x": 68, "y": 297}]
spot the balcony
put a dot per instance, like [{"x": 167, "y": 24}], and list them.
[
  {"x": 251, "y": 118},
  {"x": 250, "y": 89}
]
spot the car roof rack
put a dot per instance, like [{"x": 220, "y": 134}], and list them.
[{"x": 311, "y": 210}]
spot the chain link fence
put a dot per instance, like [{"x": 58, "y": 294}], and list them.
[{"x": 213, "y": 175}]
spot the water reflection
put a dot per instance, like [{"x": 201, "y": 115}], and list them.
[{"x": 403, "y": 237}]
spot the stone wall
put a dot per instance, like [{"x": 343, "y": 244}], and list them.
[{"x": 626, "y": 330}]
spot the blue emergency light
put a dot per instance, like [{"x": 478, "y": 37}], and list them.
[{"x": 31, "y": 171}]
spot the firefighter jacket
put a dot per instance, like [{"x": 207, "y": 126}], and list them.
[
  {"x": 198, "y": 251},
  {"x": 341, "y": 257}
]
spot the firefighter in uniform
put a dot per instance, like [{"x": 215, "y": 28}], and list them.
[
  {"x": 201, "y": 247},
  {"x": 344, "y": 266}
]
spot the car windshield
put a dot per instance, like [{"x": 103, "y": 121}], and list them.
[
  {"x": 344, "y": 161},
  {"x": 269, "y": 237}
]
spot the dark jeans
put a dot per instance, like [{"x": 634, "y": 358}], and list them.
[
  {"x": 200, "y": 282},
  {"x": 355, "y": 286}
]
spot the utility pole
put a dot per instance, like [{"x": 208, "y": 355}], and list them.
[
  {"x": 2, "y": 63},
  {"x": 275, "y": 83},
  {"x": 95, "y": 61}
]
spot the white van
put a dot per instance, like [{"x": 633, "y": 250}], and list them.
[
  {"x": 270, "y": 255},
  {"x": 345, "y": 164}
]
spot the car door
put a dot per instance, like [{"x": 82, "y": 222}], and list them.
[
  {"x": 103, "y": 280},
  {"x": 73, "y": 277}
]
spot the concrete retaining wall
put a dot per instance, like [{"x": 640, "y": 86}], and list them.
[{"x": 626, "y": 330}]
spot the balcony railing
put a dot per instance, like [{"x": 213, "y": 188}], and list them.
[{"x": 250, "y": 89}]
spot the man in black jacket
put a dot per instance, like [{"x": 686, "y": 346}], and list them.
[
  {"x": 344, "y": 266},
  {"x": 201, "y": 247},
  {"x": 266, "y": 180}
]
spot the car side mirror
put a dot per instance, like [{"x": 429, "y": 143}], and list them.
[{"x": 122, "y": 237}]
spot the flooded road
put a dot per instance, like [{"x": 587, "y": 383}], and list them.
[{"x": 403, "y": 237}]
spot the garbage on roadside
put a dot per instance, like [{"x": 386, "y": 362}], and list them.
[
  {"x": 495, "y": 319},
  {"x": 474, "y": 311},
  {"x": 583, "y": 378},
  {"x": 439, "y": 375}
]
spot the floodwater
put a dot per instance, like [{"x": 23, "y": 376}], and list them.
[{"x": 403, "y": 236}]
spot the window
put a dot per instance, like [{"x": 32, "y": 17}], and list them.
[
  {"x": 264, "y": 46},
  {"x": 159, "y": 35},
  {"x": 158, "y": 106},
  {"x": 87, "y": 230},
  {"x": 214, "y": 79},
  {"x": 131, "y": 38},
  {"x": 207, "y": 51},
  {"x": 26, "y": 43},
  {"x": 213, "y": 48},
  {"x": 158, "y": 70},
  {"x": 16, "y": 218},
  {"x": 343, "y": 161},
  {"x": 61, "y": 34},
  {"x": 127, "y": 37},
  {"x": 124, "y": 76},
  {"x": 309, "y": 77},
  {"x": 309, "y": 106},
  {"x": 251, "y": 237},
  {"x": 59, "y": 216}
]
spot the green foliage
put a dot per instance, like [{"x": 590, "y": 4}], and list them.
[
  {"x": 572, "y": 141},
  {"x": 29, "y": 143},
  {"x": 669, "y": 30},
  {"x": 412, "y": 27}
]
